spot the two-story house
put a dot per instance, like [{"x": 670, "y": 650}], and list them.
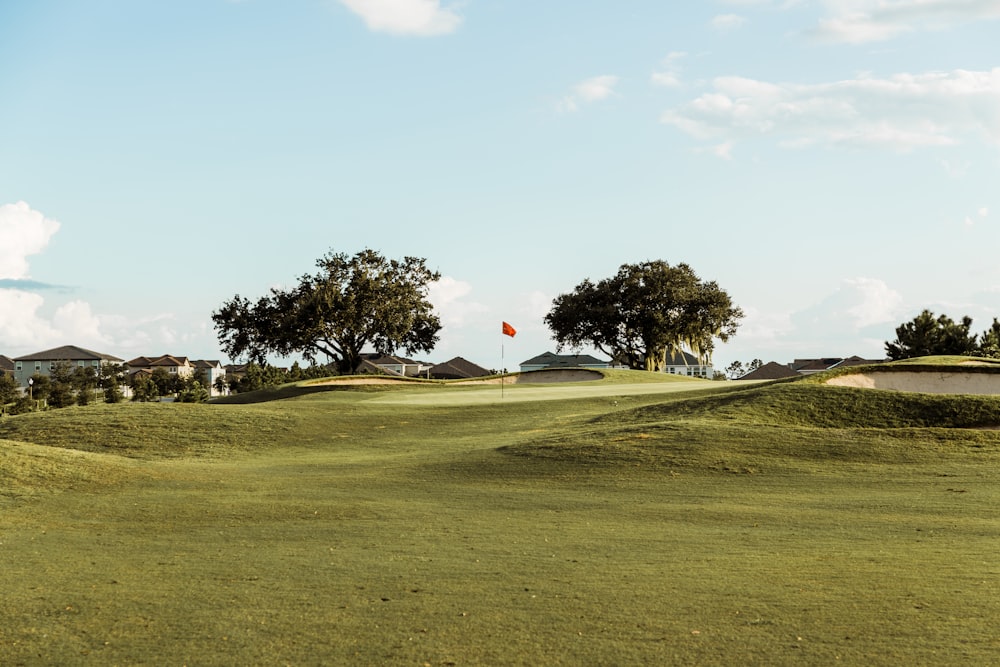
[{"x": 42, "y": 363}]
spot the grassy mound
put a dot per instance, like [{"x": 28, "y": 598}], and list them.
[
  {"x": 28, "y": 470},
  {"x": 149, "y": 430},
  {"x": 806, "y": 403},
  {"x": 777, "y": 426}
]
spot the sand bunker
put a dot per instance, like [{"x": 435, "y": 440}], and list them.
[
  {"x": 530, "y": 377},
  {"x": 926, "y": 382}
]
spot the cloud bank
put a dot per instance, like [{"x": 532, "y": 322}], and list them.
[
  {"x": 23, "y": 232},
  {"x": 901, "y": 112},
  {"x": 27, "y": 325},
  {"x": 862, "y": 21}
]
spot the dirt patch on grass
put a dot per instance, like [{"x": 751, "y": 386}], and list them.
[{"x": 926, "y": 382}]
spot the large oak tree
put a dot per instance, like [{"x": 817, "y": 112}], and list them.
[
  {"x": 349, "y": 304},
  {"x": 644, "y": 313}
]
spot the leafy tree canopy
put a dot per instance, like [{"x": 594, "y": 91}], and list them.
[
  {"x": 927, "y": 335},
  {"x": 989, "y": 341},
  {"x": 644, "y": 313},
  {"x": 349, "y": 304},
  {"x": 8, "y": 389}
]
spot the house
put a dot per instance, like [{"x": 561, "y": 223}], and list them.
[
  {"x": 457, "y": 369},
  {"x": 395, "y": 365},
  {"x": 6, "y": 365},
  {"x": 235, "y": 371},
  {"x": 43, "y": 362},
  {"x": 810, "y": 366},
  {"x": 775, "y": 371},
  {"x": 180, "y": 366},
  {"x": 206, "y": 371},
  {"x": 772, "y": 370},
  {"x": 680, "y": 362},
  {"x": 209, "y": 371},
  {"x": 553, "y": 360},
  {"x": 858, "y": 361}
]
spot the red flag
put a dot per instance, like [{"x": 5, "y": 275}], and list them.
[{"x": 509, "y": 330}]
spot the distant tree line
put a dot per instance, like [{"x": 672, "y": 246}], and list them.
[
  {"x": 67, "y": 384},
  {"x": 261, "y": 376},
  {"x": 929, "y": 335}
]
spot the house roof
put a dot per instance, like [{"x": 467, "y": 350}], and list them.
[
  {"x": 682, "y": 358},
  {"x": 388, "y": 359},
  {"x": 207, "y": 363},
  {"x": 162, "y": 360},
  {"x": 858, "y": 361},
  {"x": 6, "y": 363},
  {"x": 553, "y": 360},
  {"x": 68, "y": 353},
  {"x": 367, "y": 366},
  {"x": 772, "y": 370},
  {"x": 458, "y": 368},
  {"x": 170, "y": 360},
  {"x": 815, "y": 365}
]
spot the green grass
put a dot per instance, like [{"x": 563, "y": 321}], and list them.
[{"x": 685, "y": 522}]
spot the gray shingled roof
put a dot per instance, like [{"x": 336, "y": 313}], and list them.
[
  {"x": 553, "y": 360},
  {"x": 772, "y": 370},
  {"x": 682, "y": 358},
  {"x": 68, "y": 353},
  {"x": 458, "y": 368},
  {"x": 6, "y": 363}
]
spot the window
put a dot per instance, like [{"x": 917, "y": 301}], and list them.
[
  {"x": 38, "y": 365},
  {"x": 81, "y": 364},
  {"x": 18, "y": 366}
]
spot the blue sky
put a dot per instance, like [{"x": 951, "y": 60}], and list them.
[{"x": 832, "y": 164}]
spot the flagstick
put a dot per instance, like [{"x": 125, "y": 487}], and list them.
[{"x": 503, "y": 370}]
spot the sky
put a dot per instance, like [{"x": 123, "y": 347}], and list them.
[{"x": 832, "y": 164}]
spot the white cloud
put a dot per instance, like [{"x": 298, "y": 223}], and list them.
[
  {"x": 405, "y": 17},
  {"x": 869, "y": 302},
  {"x": 447, "y": 295},
  {"x": 20, "y": 323},
  {"x": 860, "y": 21},
  {"x": 23, "y": 232},
  {"x": 669, "y": 74},
  {"x": 596, "y": 88},
  {"x": 26, "y": 327},
  {"x": 902, "y": 112},
  {"x": 971, "y": 220},
  {"x": 727, "y": 22},
  {"x": 723, "y": 150},
  {"x": 590, "y": 90},
  {"x": 77, "y": 319},
  {"x": 538, "y": 305}
]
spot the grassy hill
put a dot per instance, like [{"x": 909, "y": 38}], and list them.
[{"x": 635, "y": 520}]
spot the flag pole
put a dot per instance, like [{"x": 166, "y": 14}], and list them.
[{"x": 505, "y": 330}]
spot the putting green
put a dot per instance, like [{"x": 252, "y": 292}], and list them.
[{"x": 520, "y": 393}]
